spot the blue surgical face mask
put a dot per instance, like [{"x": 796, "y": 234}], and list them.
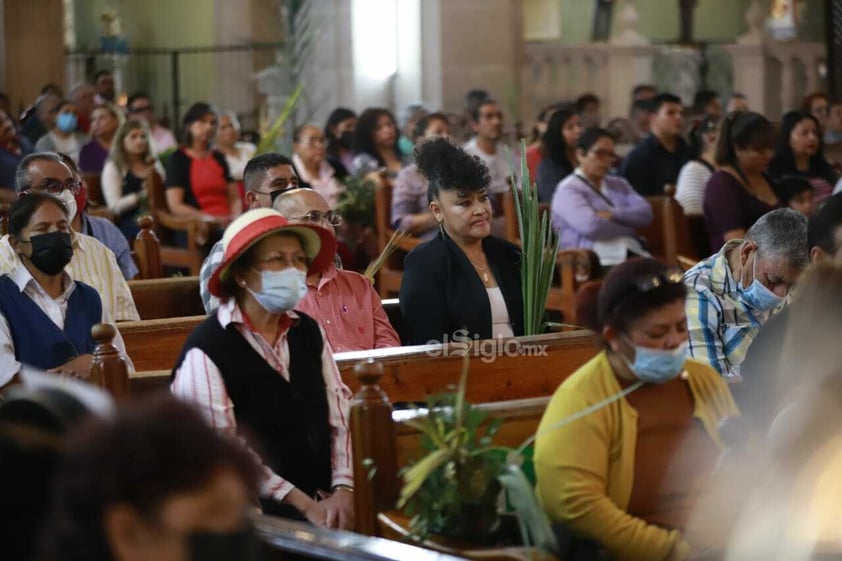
[
  {"x": 758, "y": 296},
  {"x": 282, "y": 290},
  {"x": 66, "y": 122},
  {"x": 656, "y": 366},
  {"x": 405, "y": 145}
]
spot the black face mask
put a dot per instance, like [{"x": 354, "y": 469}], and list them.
[
  {"x": 51, "y": 252},
  {"x": 346, "y": 139},
  {"x": 234, "y": 546}
]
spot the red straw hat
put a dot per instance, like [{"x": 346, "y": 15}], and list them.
[{"x": 254, "y": 225}]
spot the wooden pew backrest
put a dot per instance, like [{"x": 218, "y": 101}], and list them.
[
  {"x": 167, "y": 297},
  {"x": 154, "y": 345}
]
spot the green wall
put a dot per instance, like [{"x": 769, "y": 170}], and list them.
[{"x": 715, "y": 20}]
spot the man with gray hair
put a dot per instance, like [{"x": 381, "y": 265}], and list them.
[{"x": 734, "y": 292}]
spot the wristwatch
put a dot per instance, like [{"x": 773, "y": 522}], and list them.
[{"x": 342, "y": 487}]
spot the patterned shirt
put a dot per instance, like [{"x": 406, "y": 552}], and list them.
[
  {"x": 198, "y": 380},
  {"x": 721, "y": 325},
  {"x": 93, "y": 264},
  {"x": 210, "y": 264}
]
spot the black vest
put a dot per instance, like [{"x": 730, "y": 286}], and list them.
[{"x": 288, "y": 420}]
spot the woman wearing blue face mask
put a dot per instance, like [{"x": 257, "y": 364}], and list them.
[
  {"x": 628, "y": 473},
  {"x": 64, "y": 136},
  {"x": 257, "y": 368}
]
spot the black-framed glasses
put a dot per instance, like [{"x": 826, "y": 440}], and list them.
[
  {"x": 55, "y": 187},
  {"x": 318, "y": 217},
  {"x": 647, "y": 283},
  {"x": 275, "y": 193}
]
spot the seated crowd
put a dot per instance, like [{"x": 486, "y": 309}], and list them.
[{"x": 630, "y": 448}]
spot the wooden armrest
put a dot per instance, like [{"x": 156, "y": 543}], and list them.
[{"x": 685, "y": 262}]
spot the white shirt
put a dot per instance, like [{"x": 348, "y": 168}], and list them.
[
  {"x": 497, "y": 164},
  {"x": 237, "y": 163},
  {"x": 500, "y": 322},
  {"x": 54, "y": 308}
]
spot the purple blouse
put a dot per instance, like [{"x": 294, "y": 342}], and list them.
[
  {"x": 729, "y": 206},
  {"x": 575, "y": 205},
  {"x": 92, "y": 157}
]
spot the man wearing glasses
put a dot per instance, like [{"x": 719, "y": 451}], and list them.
[
  {"x": 265, "y": 177},
  {"x": 343, "y": 302},
  {"x": 140, "y": 107},
  {"x": 92, "y": 263}
]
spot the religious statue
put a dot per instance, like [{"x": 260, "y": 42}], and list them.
[{"x": 686, "y": 9}]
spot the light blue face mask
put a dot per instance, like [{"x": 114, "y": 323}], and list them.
[
  {"x": 656, "y": 366},
  {"x": 282, "y": 290},
  {"x": 66, "y": 122},
  {"x": 405, "y": 145},
  {"x": 758, "y": 296}
]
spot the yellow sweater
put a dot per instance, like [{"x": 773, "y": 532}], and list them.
[{"x": 585, "y": 469}]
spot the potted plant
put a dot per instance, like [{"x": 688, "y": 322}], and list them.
[{"x": 455, "y": 490}]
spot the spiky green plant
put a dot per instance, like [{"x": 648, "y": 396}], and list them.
[
  {"x": 356, "y": 201},
  {"x": 539, "y": 245},
  {"x": 454, "y": 489},
  {"x": 268, "y": 140}
]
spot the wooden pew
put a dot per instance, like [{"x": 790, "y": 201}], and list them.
[
  {"x": 147, "y": 250},
  {"x": 390, "y": 274},
  {"x": 534, "y": 368},
  {"x": 166, "y": 297},
  {"x": 387, "y": 440},
  {"x": 671, "y": 233}
]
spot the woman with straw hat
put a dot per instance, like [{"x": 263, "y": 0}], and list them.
[{"x": 258, "y": 368}]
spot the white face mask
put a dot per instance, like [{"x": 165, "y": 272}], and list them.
[{"x": 70, "y": 202}]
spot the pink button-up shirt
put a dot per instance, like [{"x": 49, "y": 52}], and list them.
[{"x": 350, "y": 312}]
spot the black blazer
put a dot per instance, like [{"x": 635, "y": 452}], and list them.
[{"x": 441, "y": 291}]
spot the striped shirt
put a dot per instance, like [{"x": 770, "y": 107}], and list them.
[
  {"x": 198, "y": 380},
  {"x": 690, "y": 187},
  {"x": 721, "y": 325},
  {"x": 93, "y": 264}
]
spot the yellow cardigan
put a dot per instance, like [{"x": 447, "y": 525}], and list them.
[{"x": 585, "y": 469}]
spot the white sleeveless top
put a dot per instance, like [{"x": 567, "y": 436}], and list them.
[{"x": 500, "y": 324}]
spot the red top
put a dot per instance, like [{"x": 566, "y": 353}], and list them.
[
  {"x": 209, "y": 185},
  {"x": 533, "y": 158}
]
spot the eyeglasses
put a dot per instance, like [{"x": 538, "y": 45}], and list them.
[
  {"x": 651, "y": 282},
  {"x": 141, "y": 109},
  {"x": 55, "y": 187},
  {"x": 317, "y": 217},
  {"x": 282, "y": 186},
  {"x": 318, "y": 141}
]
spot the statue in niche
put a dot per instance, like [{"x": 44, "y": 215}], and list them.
[
  {"x": 686, "y": 9},
  {"x": 602, "y": 20}
]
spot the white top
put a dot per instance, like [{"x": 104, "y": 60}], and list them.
[
  {"x": 111, "y": 183},
  {"x": 690, "y": 187},
  {"x": 237, "y": 164},
  {"x": 498, "y": 165},
  {"x": 325, "y": 184},
  {"x": 56, "y": 310},
  {"x": 500, "y": 324}
]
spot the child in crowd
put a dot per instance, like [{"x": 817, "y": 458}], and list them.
[{"x": 796, "y": 193}]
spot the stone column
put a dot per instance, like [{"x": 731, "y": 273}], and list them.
[{"x": 750, "y": 73}]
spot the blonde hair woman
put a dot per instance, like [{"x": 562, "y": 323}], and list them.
[{"x": 129, "y": 164}]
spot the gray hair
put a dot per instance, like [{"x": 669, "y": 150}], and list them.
[
  {"x": 22, "y": 180},
  {"x": 235, "y": 122},
  {"x": 782, "y": 233}
]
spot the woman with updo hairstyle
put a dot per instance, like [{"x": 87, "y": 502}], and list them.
[
  {"x": 464, "y": 282},
  {"x": 629, "y": 471},
  {"x": 739, "y": 192},
  {"x": 558, "y": 150},
  {"x": 800, "y": 152}
]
